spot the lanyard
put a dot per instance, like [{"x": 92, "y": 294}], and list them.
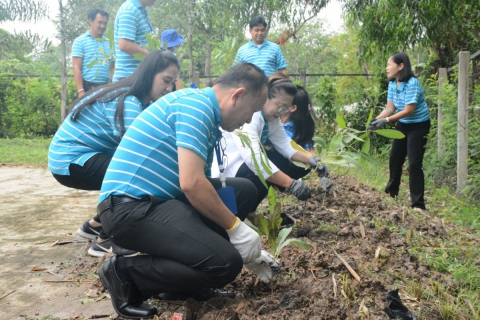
[{"x": 219, "y": 153}]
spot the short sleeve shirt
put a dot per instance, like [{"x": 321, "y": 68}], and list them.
[
  {"x": 290, "y": 130},
  {"x": 267, "y": 56},
  {"x": 408, "y": 93},
  {"x": 89, "y": 49},
  {"x": 131, "y": 23},
  {"x": 94, "y": 131},
  {"x": 146, "y": 161}
]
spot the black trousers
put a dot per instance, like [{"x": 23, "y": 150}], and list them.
[
  {"x": 87, "y": 85},
  {"x": 285, "y": 165},
  {"x": 186, "y": 251},
  {"x": 88, "y": 177},
  {"x": 412, "y": 147}
]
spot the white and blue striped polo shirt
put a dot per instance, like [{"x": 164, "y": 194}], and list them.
[
  {"x": 94, "y": 131},
  {"x": 267, "y": 56},
  {"x": 131, "y": 23},
  {"x": 146, "y": 161},
  {"x": 408, "y": 93},
  {"x": 88, "y": 48}
]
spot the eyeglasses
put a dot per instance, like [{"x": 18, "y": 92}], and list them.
[{"x": 282, "y": 108}]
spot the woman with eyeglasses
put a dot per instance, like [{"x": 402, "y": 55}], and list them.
[
  {"x": 266, "y": 128},
  {"x": 83, "y": 146}
]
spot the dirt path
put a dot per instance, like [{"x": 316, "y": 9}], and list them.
[{"x": 35, "y": 212}]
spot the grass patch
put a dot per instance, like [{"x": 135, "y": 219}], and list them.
[
  {"x": 29, "y": 152},
  {"x": 457, "y": 256}
]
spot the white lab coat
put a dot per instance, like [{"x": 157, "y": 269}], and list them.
[{"x": 237, "y": 155}]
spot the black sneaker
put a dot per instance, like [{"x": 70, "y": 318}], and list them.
[
  {"x": 89, "y": 232},
  {"x": 99, "y": 249}
]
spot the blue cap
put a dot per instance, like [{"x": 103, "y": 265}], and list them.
[{"x": 172, "y": 38}]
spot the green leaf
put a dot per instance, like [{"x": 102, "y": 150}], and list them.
[
  {"x": 94, "y": 62},
  {"x": 272, "y": 198},
  {"x": 254, "y": 227},
  {"x": 138, "y": 56},
  {"x": 262, "y": 223},
  {"x": 292, "y": 242},
  {"x": 354, "y": 136},
  {"x": 337, "y": 159},
  {"x": 282, "y": 235},
  {"x": 390, "y": 133},
  {"x": 366, "y": 145},
  {"x": 370, "y": 116},
  {"x": 320, "y": 141},
  {"x": 369, "y": 158},
  {"x": 351, "y": 160},
  {"x": 335, "y": 143},
  {"x": 341, "y": 121}
]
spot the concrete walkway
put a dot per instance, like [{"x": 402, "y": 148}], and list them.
[{"x": 36, "y": 211}]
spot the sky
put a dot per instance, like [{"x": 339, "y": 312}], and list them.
[{"x": 331, "y": 16}]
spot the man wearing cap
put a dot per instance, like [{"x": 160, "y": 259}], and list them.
[
  {"x": 131, "y": 25},
  {"x": 264, "y": 54},
  {"x": 86, "y": 49},
  {"x": 173, "y": 41}
]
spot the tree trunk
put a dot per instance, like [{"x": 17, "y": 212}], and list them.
[
  {"x": 63, "y": 78},
  {"x": 191, "y": 5},
  {"x": 208, "y": 64}
]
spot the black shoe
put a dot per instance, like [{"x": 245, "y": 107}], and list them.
[
  {"x": 198, "y": 296},
  {"x": 99, "y": 249},
  {"x": 88, "y": 231},
  {"x": 127, "y": 300}
]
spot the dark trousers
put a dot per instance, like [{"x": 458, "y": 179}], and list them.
[
  {"x": 412, "y": 147},
  {"x": 87, "y": 85},
  {"x": 88, "y": 177},
  {"x": 285, "y": 165},
  {"x": 186, "y": 251}
]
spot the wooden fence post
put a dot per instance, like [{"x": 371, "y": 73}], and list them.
[
  {"x": 442, "y": 78},
  {"x": 303, "y": 77},
  {"x": 196, "y": 78},
  {"x": 462, "y": 127}
]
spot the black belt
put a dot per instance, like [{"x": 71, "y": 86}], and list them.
[{"x": 112, "y": 201}]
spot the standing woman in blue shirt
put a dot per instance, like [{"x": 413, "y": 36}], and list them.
[
  {"x": 407, "y": 106},
  {"x": 83, "y": 146}
]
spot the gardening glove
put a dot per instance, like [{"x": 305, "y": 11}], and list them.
[
  {"x": 300, "y": 190},
  {"x": 246, "y": 241},
  {"x": 321, "y": 169},
  {"x": 326, "y": 184},
  {"x": 264, "y": 266},
  {"x": 377, "y": 124}
]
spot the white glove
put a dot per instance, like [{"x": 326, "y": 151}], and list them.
[
  {"x": 246, "y": 241},
  {"x": 264, "y": 266}
]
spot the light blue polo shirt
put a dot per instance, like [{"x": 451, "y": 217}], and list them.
[
  {"x": 131, "y": 23},
  {"x": 267, "y": 56},
  {"x": 290, "y": 131},
  {"x": 94, "y": 131},
  {"x": 407, "y": 93},
  {"x": 89, "y": 49},
  {"x": 146, "y": 161}
]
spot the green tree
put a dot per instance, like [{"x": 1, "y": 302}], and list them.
[
  {"x": 386, "y": 26},
  {"x": 22, "y": 10}
]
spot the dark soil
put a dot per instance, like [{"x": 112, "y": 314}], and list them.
[{"x": 305, "y": 289}]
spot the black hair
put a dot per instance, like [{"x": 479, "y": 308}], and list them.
[
  {"x": 406, "y": 73},
  {"x": 256, "y": 21},
  {"x": 280, "y": 82},
  {"x": 93, "y": 14},
  {"x": 303, "y": 124},
  {"x": 139, "y": 84},
  {"x": 245, "y": 75}
]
